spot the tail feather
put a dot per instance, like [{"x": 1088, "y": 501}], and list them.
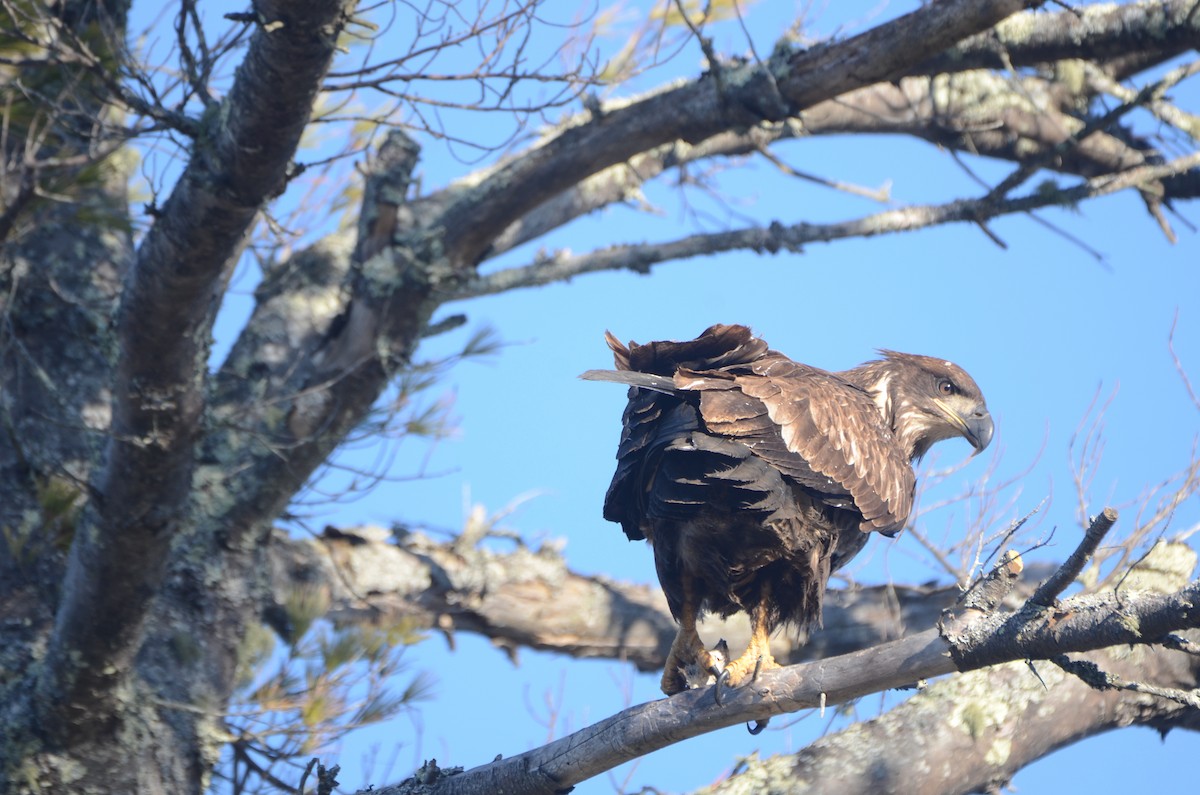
[
  {"x": 620, "y": 352},
  {"x": 657, "y": 383}
]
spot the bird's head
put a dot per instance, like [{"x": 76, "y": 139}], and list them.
[{"x": 927, "y": 400}]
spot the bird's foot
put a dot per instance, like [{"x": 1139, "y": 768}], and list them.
[
  {"x": 761, "y": 662},
  {"x": 722, "y": 681},
  {"x": 705, "y": 668},
  {"x": 735, "y": 674},
  {"x": 747, "y": 667}
]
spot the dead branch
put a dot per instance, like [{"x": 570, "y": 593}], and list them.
[
  {"x": 1095, "y": 677},
  {"x": 1048, "y": 592},
  {"x": 988, "y": 594}
]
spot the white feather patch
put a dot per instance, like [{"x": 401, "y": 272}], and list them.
[{"x": 879, "y": 390}]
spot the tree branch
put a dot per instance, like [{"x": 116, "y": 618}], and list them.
[
  {"x": 777, "y": 237},
  {"x": 978, "y": 729},
  {"x": 1085, "y": 623},
  {"x": 982, "y": 113},
  {"x": 1158, "y": 29},
  {"x": 1049, "y": 591},
  {"x": 452, "y": 587},
  {"x": 505, "y": 597},
  {"x": 169, "y": 300},
  {"x": 699, "y": 110},
  {"x": 975, "y": 732}
]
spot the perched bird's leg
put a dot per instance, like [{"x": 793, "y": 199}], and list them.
[
  {"x": 687, "y": 650},
  {"x": 757, "y": 656}
]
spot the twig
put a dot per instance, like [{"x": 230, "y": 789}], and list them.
[
  {"x": 1179, "y": 368},
  {"x": 937, "y": 554},
  {"x": 1048, "y": 592},
  {"x": 1179, "y": 643},
  {"x": 988, "y": 592},
  {"x": 1097, "y": 678},
  {"x": 881, "y": 194},
  {"x": 1012, "y": 530},
  {"x": 304, "y": 778}
]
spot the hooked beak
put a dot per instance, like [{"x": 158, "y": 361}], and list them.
[
  {"x": 977, "y": 427},
  {"x": 978, "y": 430}
]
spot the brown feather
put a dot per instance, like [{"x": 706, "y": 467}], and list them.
[{"x": 754, "y": 476}]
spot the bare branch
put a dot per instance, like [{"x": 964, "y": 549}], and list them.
[
  {"x": 640, "y": 258},
  {"x": 697, "y": 111},
  {"x": 990, "y": 592},
  {"x": 504, "y": 596},
  {"x": 1048, "y": 592},
  {"x": 977, "y": 730},
  {"x": 979, "y": 113},
  {"x": 1073, "y": 138},
  {"x": 1092, "y": 675},
  {"x": 1187, "y": 123}
]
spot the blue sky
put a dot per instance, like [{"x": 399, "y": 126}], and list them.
[{"x": 1042, "y": 326}]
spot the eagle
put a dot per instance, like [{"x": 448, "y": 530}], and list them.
[{"x": 754, "y": 477}]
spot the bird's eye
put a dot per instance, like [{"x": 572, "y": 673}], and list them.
[{"x": 946, "y": 387}]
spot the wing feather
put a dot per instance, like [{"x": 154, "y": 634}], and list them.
[
  {"x": 836, "y": 428},
  {"x": 744, "y": 405}
]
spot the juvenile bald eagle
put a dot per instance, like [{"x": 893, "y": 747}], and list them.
[{"x": 755, "y": 477}]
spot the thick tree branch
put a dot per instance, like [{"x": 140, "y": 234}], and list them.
[
  {"x": 168, "y": 304},
  {"x": 972, "y": 733},
  {"x": 452, "y": 587},
  {"x": 777, "y": 237},
  {"x": 1085, "y": 623},
  {"x": 696, "y": 111},
  {"x": 981, "y": 113},
  {"x": 347, "y": 322},
  {"x": 1107, "y": 31},
  {"x": 977, "y": 730},
  {"x": 1027, "y": 120}
]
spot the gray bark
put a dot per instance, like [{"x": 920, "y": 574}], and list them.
[
  {"x": 972, "y": 733},
  {"x": 969, "y": 643},
  {"x": 452, "y": 587},
  {"x": 113, "y": 654}
]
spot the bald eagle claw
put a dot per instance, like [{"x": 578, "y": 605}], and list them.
[
  {"x": 758, "y": 726},
  {"x": 722, "y": 681}
]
